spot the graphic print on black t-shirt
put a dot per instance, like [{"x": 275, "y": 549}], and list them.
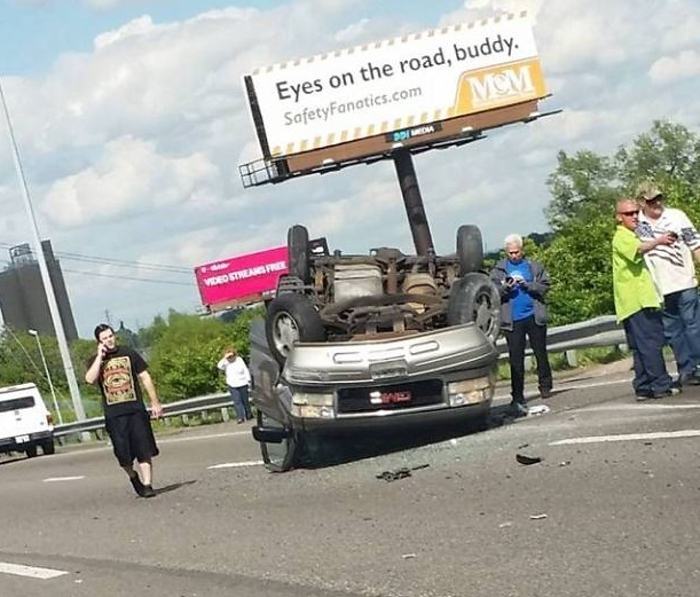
[{"x": 118, "y": 382}]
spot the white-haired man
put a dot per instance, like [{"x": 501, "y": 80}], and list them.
[
  {"x": 673, "y": 269},
  {"x": 523, "y": 284}
]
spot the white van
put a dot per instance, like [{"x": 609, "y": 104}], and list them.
[{"x": 25, "y": 422}]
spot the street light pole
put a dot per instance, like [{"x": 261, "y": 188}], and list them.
[
  {"x": 44, "y": 270},
  {"x": 48, "y": 375}
]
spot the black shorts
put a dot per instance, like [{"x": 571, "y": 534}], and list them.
[{"x": 132, "y": 437}]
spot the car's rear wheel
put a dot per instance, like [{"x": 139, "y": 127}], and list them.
[
  {"x": 291, "y": 318},
  {"x": 48, "y": 447},
  {"x": 30, "y": 451},
  {"x": 474, "y": 297},
  {"x": 299, "y": 252},
  {"x": 470, "y": 249},
  {"x": 278, "y": 457}
]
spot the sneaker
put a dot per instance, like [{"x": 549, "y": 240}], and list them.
[
  {"x": 137, "y": 485},
  {"x": 672, "y": 391},
  {"x": 239, "y": 421},
  {"x": 641, "y": 396},
  {"x": 545, "y": 393},
  {"x": 148, "y": 491},
  {"x": 692, "y": 380},
  {"x": 518, "y": 409}
]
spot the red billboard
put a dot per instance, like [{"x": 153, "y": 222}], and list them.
[{"x": 241, "y": 280}]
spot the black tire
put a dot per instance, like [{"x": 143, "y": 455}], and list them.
[
  {"x": 278, "y": 458},
  {"x": 299, "y": 252},
  {"x": 470, "y": 249},
  {"x": 291, "y": 318},
  {"x": 48, "y": 447},
  {"x": 474, "y": 297},
  {"x": 31, "y": 451}
]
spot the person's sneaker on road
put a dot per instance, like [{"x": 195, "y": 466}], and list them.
[
  {"x": 642, "y": 395},
  {"x": 148, "y": 491},
  {"x": 672, "y": 391},
  {"x": 137, "y": 485},
  {"x": 689, "y": 379},
  {"x": 545, "y": 393},
  {"x": 518, "y": 409}
]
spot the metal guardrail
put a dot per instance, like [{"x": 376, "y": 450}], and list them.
[
  {"x": 599, "y": 331},
  {"x": 170, "y": 409}
]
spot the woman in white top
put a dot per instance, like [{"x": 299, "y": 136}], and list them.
[{"x": 237, "y": 380}]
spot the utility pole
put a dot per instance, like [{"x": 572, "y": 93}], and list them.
[{"x": 44, "y": 270}]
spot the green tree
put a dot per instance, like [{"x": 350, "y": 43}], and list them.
[
  {"x": 183, "y": 361},
  {"x": 584, "y": 190}
]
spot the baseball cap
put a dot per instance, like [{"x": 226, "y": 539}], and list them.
[{"x": 648, "y": 191}]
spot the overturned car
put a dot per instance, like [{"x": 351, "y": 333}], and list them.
[{"x": 372, "y": 342}]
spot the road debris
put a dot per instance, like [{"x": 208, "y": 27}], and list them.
[
  {"x": 525, "y": 459},
  {"x": 565, "y": 463},
  {"x": 505, "y": 525},
  {"x": 400, "y": 473},
  {"x": 538, "y": 409},
  {"x": 538, "y": 516},
  {"x": 408, "y": 556}
]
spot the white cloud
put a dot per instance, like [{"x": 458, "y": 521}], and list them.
[
  {"x": 133, "y": 146},
  {"x": 670, "y": 68},
  {"x": 130, "y": 178}
]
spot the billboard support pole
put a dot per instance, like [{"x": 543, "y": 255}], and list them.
[{"x": 410, "y": 191}]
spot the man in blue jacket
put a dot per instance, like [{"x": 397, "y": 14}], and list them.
[{"x": 523, "y": 285}]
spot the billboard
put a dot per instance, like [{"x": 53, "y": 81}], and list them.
[
  {"x": 397, "y": 89},
  {"x": 241, "y": 280}
]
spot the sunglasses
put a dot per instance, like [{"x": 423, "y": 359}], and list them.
[{"x": 628, "y": 213}]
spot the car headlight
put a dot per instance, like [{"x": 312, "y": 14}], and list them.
[
  {"x": 301, "y": 375},
  {"x": 309, "y": 405},
  {"x": 471, "y": 391}
]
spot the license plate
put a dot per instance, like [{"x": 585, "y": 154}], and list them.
[
  {"x": 22, "y": 439},
  {"x": 390, "y": 397}
]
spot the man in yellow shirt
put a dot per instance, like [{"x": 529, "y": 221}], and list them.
[{"x": 637, "y": 304}]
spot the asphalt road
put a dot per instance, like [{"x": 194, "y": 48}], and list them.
[{"x": 612, "y": 509}]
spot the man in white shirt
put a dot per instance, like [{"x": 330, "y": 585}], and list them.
[
  {"x": 673, "y": 270},
  {"x": 237, "y": 380}
]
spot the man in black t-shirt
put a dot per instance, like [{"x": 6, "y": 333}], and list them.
[{"x": 117, "y": 370}]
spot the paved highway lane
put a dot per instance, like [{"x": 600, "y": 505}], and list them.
[{"x": 615, "y": 513}]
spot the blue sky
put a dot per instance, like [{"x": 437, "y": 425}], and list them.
[
  {"x": 131, "y": 120},
  {"x": 35, "y": 32}
]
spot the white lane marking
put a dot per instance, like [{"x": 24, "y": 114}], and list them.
[
  {"x": 645, "y": 406},
  {"x": 235, "y": 464},
  {"x": 627, "y": 437},
  {"x": 163, "y": 440},
  {"x": 54, "y": 479},
  {"x": 30, "y": 571}
]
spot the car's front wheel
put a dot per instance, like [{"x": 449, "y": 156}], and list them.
[
  {"x": 291, "y": 318},
  {"x": 278, "y": 457},
  {"x": 474, "y": 297},
  {"x": 30, "y": 451}
]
